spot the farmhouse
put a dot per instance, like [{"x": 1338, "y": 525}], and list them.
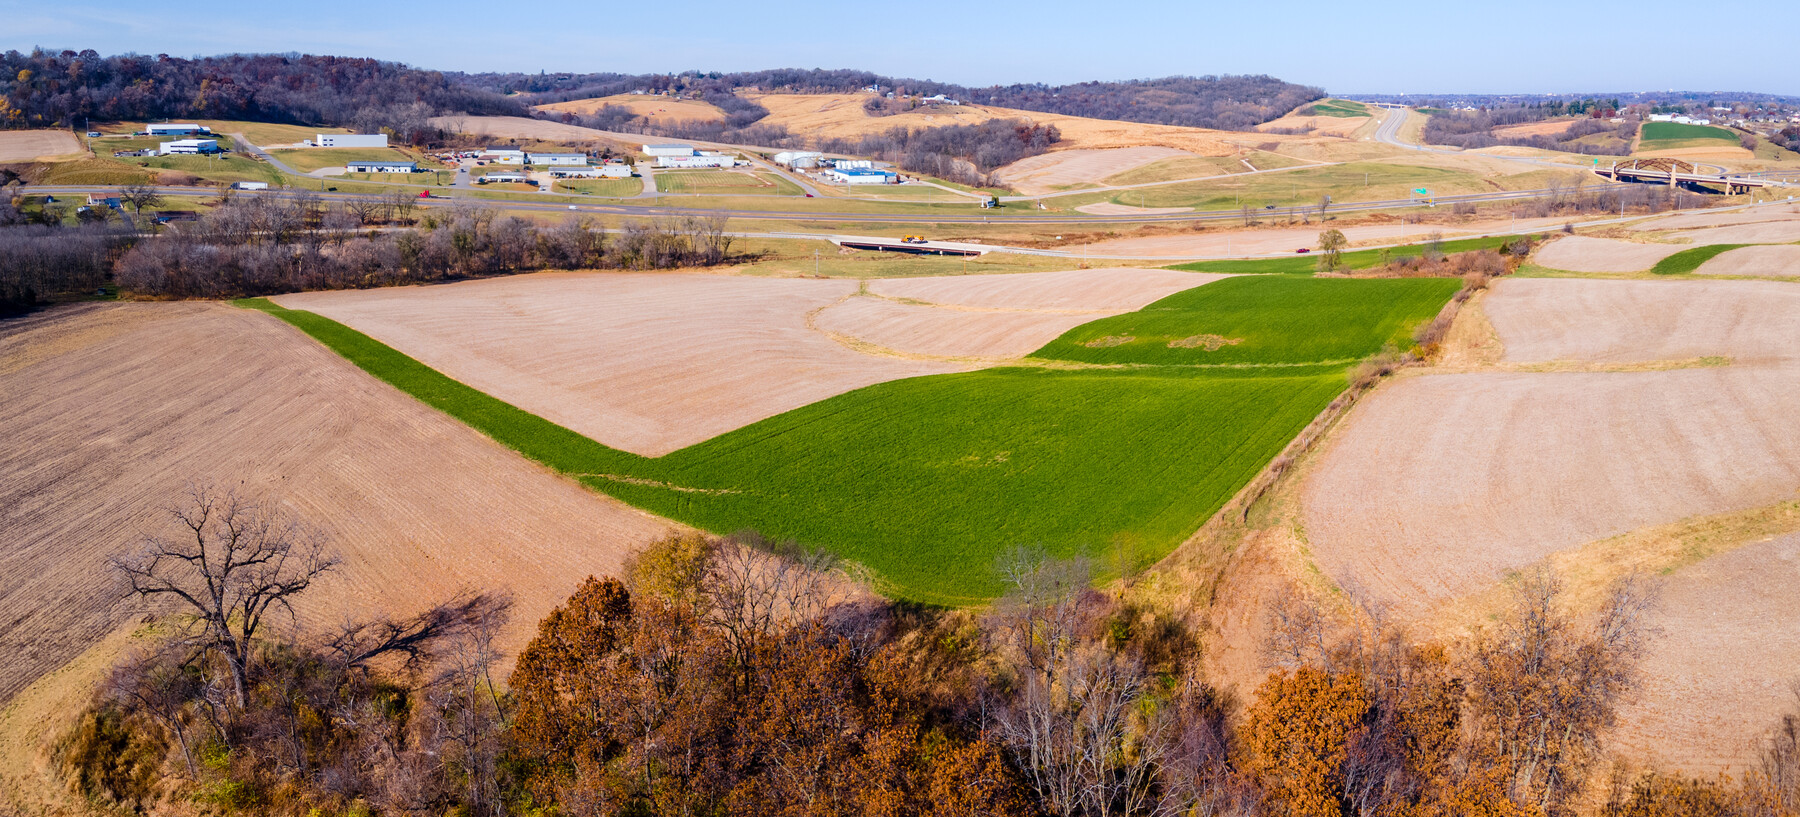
[
  {"x": 175, "y": 130},
  {"x": 351, "y": 140},
  {"x": 190, "y": 146},
  {"x": 861, "y": 175},
  {"x": 660, "y": 151},
  {"x": 556, "y": 158},
  {"x": 799, "y": 158},
  {"x": 364, "y": 166},
  {"x": 697, "y": 160}
]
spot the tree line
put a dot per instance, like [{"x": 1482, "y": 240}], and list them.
[
  {"x": 1225, "y": 102},
  {"x": 1479, "y": 129},
  {"x": 68, "y": 88},
  {"x": 262, "y": 245},
  {"x": 738, "y": 676}
]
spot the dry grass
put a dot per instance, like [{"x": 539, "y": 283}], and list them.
[
  {"x": 656, "y": 109},
  {"x": 39, "y": 146},
  {"x": 130, "y": 402},
  {"x": 1065, "y": 168}
]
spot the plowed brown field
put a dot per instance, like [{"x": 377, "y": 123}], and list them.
[
  {"x": 1580, "y": 253},
  {"x": 1438, "y": 485},
  {"x": 1780, "y": 260},
  {"x": 1690, "y": 221},
  {"x": 643, "y": 362},
  {"x": 1575, "y": 319},
  {"x": 1120, "y": 289},
  {"x": 110, "y": 410},
  {"x": 38, "y": 145}
]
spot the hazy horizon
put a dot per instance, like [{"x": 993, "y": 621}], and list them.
[{"x": 1405, "y": 47}]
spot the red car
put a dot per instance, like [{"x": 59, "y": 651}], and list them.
[{"x": 1303, "y": 250}]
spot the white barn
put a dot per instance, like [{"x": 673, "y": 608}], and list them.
[
  {"x": 190, "y": 146},
  {"x": 556, "y": 158},
  {"x": 697, "y": 160},
  {"x": 351, "y": 140},
  {"x": 660, "y": 151},
  {"x": 174, "y": 129}
]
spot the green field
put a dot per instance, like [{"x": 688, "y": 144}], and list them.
[
  {"x": 927, "y": 481},
  {"x": 724, "y": 182},
  {"x": 1354, "y": 259},
  {"x": 614, "y": 188},
  {"x": 226, "y": 168},
  {"x": 1689, "y": 260},
  {"x": 1336, "y": 107},
  {"x": 1260, "y": 320},
  {"x": 1354, "y": 181},
  {"x": 1672, "y": 135},
  {"x": 307, "y": 160}
]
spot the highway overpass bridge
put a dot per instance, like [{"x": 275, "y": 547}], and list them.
[{"x": 1675, "y": 172}]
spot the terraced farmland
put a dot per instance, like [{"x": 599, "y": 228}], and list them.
[{"x": 927, "y": 481}]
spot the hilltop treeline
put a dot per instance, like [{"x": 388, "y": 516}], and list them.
[
  {"x": 1226, "y": 102},
  {"x": 737, "y": 677},
  {"x": 64, "y": 89},
  {"x": 961, "y": 153}
]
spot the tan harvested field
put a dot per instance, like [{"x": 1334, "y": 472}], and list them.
[
  {"x": 1776, "y": 261},
  {"x": 1120, "y": 289},
  {"x": 1722, "y": 667},
  {"x": 1691, "y": 221},
  {"x": 1548, "y": 127},
  {"x": 1542, "y": 319},
  {"x": 1439, "y": 485},
  {"x": 128, "y": 403},
  {"x": 986, "y": 336},
  {"x": 643, "y": 362},
  {"x": 1064, "y": 168},
  {"x": 993, "y": 318},
  {"x": 842, "y": 115},
  {"x": 1767, "y": 232},
  {"x": 1579, "y": 253},
  {"x": 39, "y": 145},
  {"x": 1287, "y": 239},
  {"x": 656, "y": 109},
  {"x": 1340, "y": 126},
  {"x": 1108, "y": 208}
]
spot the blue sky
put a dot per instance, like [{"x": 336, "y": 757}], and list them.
[{"x": 1525, "y": 46}]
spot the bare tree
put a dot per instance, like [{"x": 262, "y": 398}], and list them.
[
  {"x": 140, "y": 196},
  {"x": 233, "y": 565}
]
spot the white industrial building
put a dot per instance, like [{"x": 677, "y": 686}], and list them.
[
  {"x": 175, "y": 129},
  {"x": 846, "y": 164},
  {"x": 190, "y": 146},
  {"x": 660, "y": 151},
  {"x": 799, "y": 158},
  {"x": 597, "y": 172},
  {"x": 861, "y": 175},
  {"x": 360, "y": 166},
  {"x": 697, "y": 160},
  {"x": 556, "y": 158},
  {"x": 505, "y": 177},
  {"x": 351, "y": 140},
  {"x": 504, "y": 155}
]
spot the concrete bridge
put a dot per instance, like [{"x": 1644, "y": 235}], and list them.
[{"x": 1675, "y": 172}]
